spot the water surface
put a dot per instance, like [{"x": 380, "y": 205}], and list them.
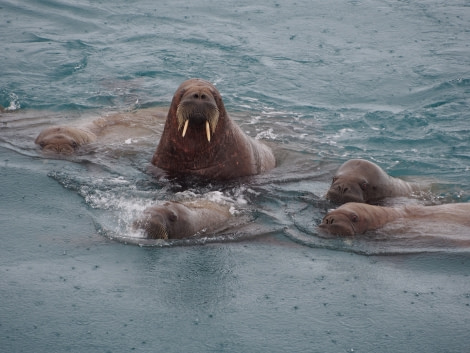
[{"x": 323, "y": 82}]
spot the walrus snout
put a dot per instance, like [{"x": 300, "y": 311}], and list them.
[
  {"x": 340, "y": 192},
  {"x": 199, "y": 109},
  {"x": 153, "y": 223},
  {"x": 201, "y": 96},
  {"x": 59, "y": 144},
  {"x": 336, "y": 225}
]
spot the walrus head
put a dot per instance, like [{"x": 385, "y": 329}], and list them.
[
  {"x": 170, "y": 220},
  {"x": 198, "y": 108},
  {"x": 357, "y": 218},
  {"x": 348, "y": 189},
  {"x": 358, "y": 180},
  {"x": 341, "y": 222},
  {"x": 63, "y": 139},
  {"x": 156, "y": 222}
]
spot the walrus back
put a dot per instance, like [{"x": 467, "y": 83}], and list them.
[{"x": 458, "y": 213}]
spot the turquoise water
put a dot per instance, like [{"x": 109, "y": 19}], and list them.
[{"x": 323, "y": 82}]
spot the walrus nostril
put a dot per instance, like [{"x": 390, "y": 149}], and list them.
[{"x": 200, "y": 96}]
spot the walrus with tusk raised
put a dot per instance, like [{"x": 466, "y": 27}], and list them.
[
  {"x": 355, "y": 218},
  {"x": 200, "y": 138},
  {"x": 178, "y": 220},
  {"x": 358, "y": 180}
]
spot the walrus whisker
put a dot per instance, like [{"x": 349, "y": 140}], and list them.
[
  {"x": 183, "y": 114},
  {"x": 157, "y": 231},
  {"x": 162, "y": 233},
  {"x": 214, "y": 119}
]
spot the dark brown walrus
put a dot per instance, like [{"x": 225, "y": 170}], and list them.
[
  {"x": 200, "y": 138},
  {"x": 358, "y": 180},
  {"x": 357, "y": 218}
]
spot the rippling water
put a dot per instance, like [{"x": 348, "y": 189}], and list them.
[
  {"x": 323, "y": 82},
  {"x": 385, "y": 81}
]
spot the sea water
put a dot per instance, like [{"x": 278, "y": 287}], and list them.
[{"x": 321, "y": 82}]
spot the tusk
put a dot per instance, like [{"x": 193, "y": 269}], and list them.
[
  {"x": 208, "y": 131},
  {"x": 185, "y": 127}
]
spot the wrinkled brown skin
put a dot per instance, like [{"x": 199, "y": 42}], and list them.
[
  {"x": 178, "y": 220},
  {"x": 357, "y": 218},
  {"x": 230, "y": 152},
  {"x": 358, "y": 180}
]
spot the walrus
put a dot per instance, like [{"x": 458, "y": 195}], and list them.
[
  {"x": 178, "y": 220},
  {"x": 67, "y": 139},
  {"x": 358, "y": 180},
  {"x": 64, "y": 139},
  {"x": 200, "y": 138},
  {"x": 357, "y": 218}
]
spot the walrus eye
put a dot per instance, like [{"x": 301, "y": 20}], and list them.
[
  {"x": 173, "y": 217},
  {"x": 74, "y": 145},
  {"x": 364, "y": 186},
  {"x": 334, "y": 179},
  {"x": 354, "y": 218}
]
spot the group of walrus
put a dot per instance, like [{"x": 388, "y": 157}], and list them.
[{"x": 199, "y": 138}]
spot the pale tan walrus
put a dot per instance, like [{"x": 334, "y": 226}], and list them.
[
  {"x": 357, "y": 218},
  {"x": 178, "y": 220},
  {"x": 67, "y": 139},
  {"x": 64, "y": 139},
  {"x": 358, "y": 180}
]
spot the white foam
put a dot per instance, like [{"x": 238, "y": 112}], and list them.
[
  {"x": 14, "y": 102},
  {"x": 266, "y": 135}
]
